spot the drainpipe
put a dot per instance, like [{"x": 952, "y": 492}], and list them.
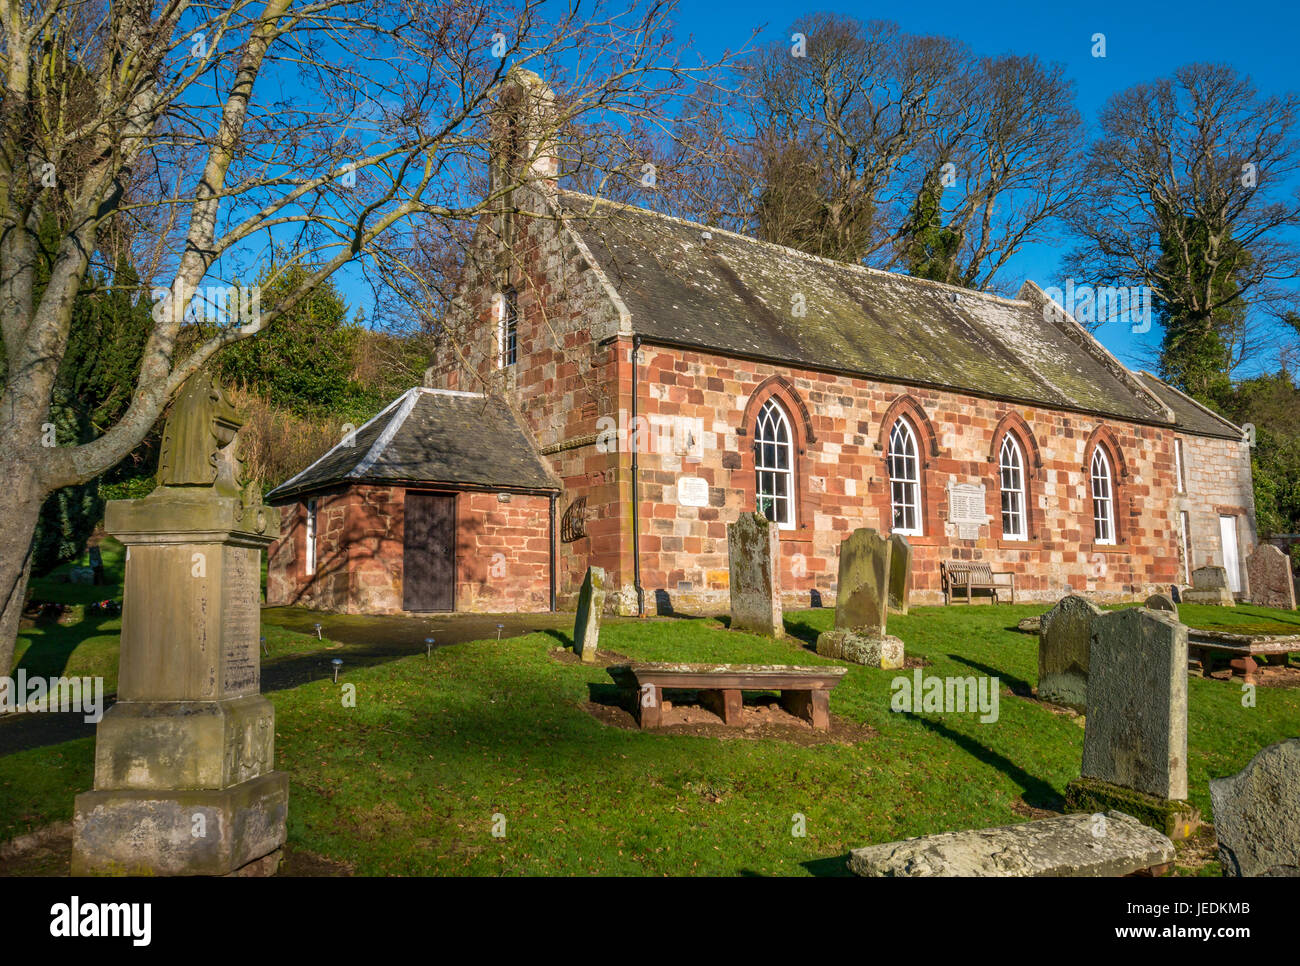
[
  {"x": 554, "y": 497},
  {"x": 636, "y": 487}
]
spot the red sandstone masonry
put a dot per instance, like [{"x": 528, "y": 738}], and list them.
[{"x": 574, "y": 368}]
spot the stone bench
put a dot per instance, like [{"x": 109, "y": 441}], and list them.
[
  {"x": 805, "y": 691},
  {"x": 1239, "y": 651},
  {"x": 1068, "y": 845}
]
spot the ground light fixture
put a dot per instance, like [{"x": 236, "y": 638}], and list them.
[
  {"x": 500, "y": 628},
  {"x": 317, "y": 626},
  {"x": 428, "y": 646},
  {"x": 338, "y": 663}
]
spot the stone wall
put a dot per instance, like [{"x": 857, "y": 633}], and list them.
[
  {"x": 502, "y": 553},
  {"x": 1218, "y": 481}
]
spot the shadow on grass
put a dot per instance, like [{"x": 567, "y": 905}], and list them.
[
  {"x": 1019, "y": 686},
  {"x": 1035, "y": 792},
  {"x": 835, "y": 867},
  {"x": 48, "y": 654},
  {"x": 803, "y": 632}
]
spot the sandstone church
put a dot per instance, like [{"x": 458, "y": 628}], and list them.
[{"x": 624, "y": 384}]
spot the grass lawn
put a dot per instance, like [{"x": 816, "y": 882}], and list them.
[{"x": 409, "y": 780}]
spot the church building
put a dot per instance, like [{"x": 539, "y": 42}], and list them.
[{"x": 633, "y": 382}]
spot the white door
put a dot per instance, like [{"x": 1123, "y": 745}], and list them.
[{"x": 1228, "y": 539}]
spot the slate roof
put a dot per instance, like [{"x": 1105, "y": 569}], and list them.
[
  {"x": 1189, "y": 415},
  {"x": 738, "y": 296},
  {"x": 431, "y": 436}
]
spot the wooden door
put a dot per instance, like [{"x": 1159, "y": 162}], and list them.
[{"x": 429, "y": 552}]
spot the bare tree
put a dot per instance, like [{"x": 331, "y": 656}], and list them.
[
  {"x": 1185, "y": 192},
  {"x": 205, "y": 135}
]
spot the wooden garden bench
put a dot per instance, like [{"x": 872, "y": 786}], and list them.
[
  {"x": 805, "y": 691},
  {"x": 968, "y": 576}
]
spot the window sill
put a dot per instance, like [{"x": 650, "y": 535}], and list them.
[
  {"x": 1108, "y": 548},
  {"x": 1005, "y": 544}
]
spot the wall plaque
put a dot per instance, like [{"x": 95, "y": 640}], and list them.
[{"x": 692, "y": 491}]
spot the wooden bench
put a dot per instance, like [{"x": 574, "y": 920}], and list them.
[
  {"x": 805, "y": 691},
  {"x": 969, "y": 576}
]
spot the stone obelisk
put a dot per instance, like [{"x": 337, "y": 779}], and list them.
[{"x": 184, "y": 761}]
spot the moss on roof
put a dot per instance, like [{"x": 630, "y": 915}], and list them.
[
  {"x": 738, "y": 296},
  {"x": 1190, "y": 416}
]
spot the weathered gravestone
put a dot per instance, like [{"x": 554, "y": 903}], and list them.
[
  {"x": 1162, "y": 602},
  {"x": 184, "y": 776},
  {"x": 96, "y": 558},
  {"x": 862, "y": 604},
  {"x": 753, "y": 548},
  {"x": 1209, "y": 586},
  {"x": 1257, "y": 814},
  {"x": 900, "y": 572},
  {"x": 1064, "y": 641},
  {"x": 1135, "y": 734},
  {"x": 1065, "y": 845},
  {"x": 1269, "y": 571},
  {"x": 591, "y": 603}
]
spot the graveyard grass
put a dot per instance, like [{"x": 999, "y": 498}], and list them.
[{"x": 408, "y": 782}]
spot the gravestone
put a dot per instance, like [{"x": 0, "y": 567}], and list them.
[
  {"x": 1269, "y": 571},
  {"x": 862, "y": 604},
  {"x": 1135, "y": 734},
  {"x": 1162, "y": 602},
  {"x": 900, "y": 573},
  {"x": 1064, "y": 642},
  {"x": 591, "y": 604},
  {"x": 1209, "y": 586},
  {"x": 96, "y": 559},
  {"x": 81, "y": 575},
  {"x": 184, "y": 761},
  {"x": 753, "y": 549},
  {"x": 1257, "y": 814}
]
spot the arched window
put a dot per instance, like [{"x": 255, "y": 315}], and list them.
[
  {"x": 774, "y": 463},
  {"x": 1103, "y": 498},
  {"x": 904, "y": 478},
  {"x": 1011, "y": 477}
]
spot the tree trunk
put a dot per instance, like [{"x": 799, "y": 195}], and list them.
[{"x": 24, "y": 491}]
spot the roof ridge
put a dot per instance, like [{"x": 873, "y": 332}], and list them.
[
  {"x": 408, "y": 400},
  {"x": 830, "y": 262},
  {"x": 343, "y": 442}
]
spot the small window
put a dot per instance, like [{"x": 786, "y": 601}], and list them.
[
  {"x": 774, "y": 465},
  {"x": 1178, "y": 466},
  {"x": 1103, "y": 498},
  {"x": 1011, "y": 477},
  {"x": 1185, "y": 538},
  {"x": 904, "y": 479},
  {"x": 310, "y": 558},
  {"x": 508, "y": 336}
]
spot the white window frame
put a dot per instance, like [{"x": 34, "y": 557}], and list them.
[
  {"x": 309, "y": 557},
  {"x": 505, "y": 302},
  {"x": 904, "y": 478},
  {"x": 1013, "y": 490},
  {"x": 1185, "y": 539},
  {"x": 1103, "y": 497},
  {"x": 1178, "y": 465},
  {"x": 772, "y": 419}
]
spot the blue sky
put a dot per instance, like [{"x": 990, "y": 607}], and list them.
[{"x": 1144, "y": 40}]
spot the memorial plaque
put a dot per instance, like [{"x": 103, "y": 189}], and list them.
[
  {"x": 240, "y": 623},
  {"x": 692, "y": 491},
  {"x": 966, "y": 504}
]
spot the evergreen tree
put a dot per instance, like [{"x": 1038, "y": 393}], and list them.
[{"x": 929, "y": 250}]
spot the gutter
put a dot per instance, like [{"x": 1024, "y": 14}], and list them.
[{"x": 554, "y": 497}]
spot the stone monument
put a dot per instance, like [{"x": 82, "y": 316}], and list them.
[
  {"x": 586, "y": 624},
  {"x": 1269, "y": 571},
  {"x": 862, "y": 604},
  {"x": 1209, "y": 586},
  {"x": 184, "y": 761},
  {"x": 753, "y": 548},
  {"x": 1257, "y": 814},
  {"x": 1135, "y": 735},
  {"x": 900, "y": 573},
  {"x": 1064, "y": 641}
]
